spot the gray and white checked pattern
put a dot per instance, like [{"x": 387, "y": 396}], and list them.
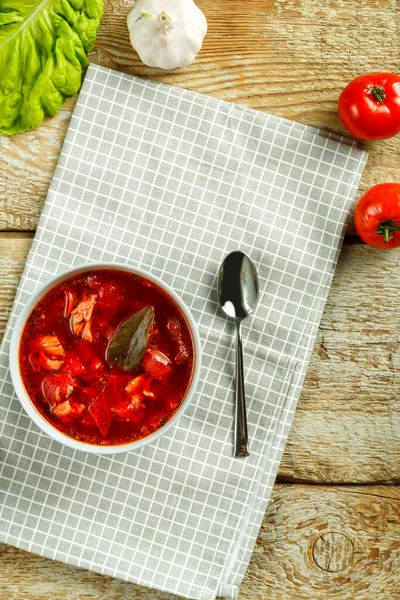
[{"x": 171, "y": 181}]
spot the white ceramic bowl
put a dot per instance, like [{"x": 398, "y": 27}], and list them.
[{"x": 30, "y": 407}]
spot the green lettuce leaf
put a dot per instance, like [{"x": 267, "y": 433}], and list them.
[{"x": 43, "y": 45}]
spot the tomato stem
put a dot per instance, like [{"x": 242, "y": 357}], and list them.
[
  {"x": 386, "y": 228},
  {"x": 378, "y": 92}
]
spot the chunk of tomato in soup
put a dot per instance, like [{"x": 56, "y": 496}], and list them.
[
  {"x": 64, "y": 367},
  {"x": 157, "y": 364},
  {"x": 101, "y": 412},
  {"x": 73, "y": 364}
]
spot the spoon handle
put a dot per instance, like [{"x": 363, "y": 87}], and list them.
[{"x": 241, "y": 439}]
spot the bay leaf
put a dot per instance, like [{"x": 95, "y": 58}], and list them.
[{"x": 129, "y": 343}]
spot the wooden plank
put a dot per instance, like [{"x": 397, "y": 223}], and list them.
[
  {"x": 27, "y": 164},
  {"x": 347, "y": 425},
  {"x": 290, "y": 58},
  {"x": 341, "y": 543},
  {"x": 325, "y": 542},
  {"x": 14, "y": 248}
]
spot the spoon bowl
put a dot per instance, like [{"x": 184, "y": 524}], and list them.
[{"x": 238, "y": 289}]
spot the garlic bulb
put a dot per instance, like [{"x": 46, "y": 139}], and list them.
[{"x": 166, "y": 33}]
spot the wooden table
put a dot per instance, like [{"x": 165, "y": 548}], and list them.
[{"x": 332, "y": 529}]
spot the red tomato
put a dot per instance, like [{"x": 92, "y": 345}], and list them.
[
  {"x": 369, "y": 107},
  {"x": 101, "y": 412},
  {"x": 73, "y": 365},
  {"x": 116, "y": 388},
  {"x": 156, "y": 363},
  {"x": 377, "y": 216}
]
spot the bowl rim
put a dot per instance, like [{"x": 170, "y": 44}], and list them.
[{"x": 27, "y": 403}]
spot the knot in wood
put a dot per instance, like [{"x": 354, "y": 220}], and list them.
[{"x": 333, "y": 552}]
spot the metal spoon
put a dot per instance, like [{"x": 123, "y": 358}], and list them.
[{"x": 238, "y": 297}]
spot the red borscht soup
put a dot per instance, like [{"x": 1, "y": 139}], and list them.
[{"x": 106, "y": 357}]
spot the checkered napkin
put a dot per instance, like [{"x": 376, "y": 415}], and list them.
[{"x": 172, "y": 181}]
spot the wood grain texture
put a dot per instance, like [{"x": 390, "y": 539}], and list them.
[
  {"x": 327, "y": 543},
  {"x": 14, "y": 248},
  {"x": 287, "y": 57},
  {"x": 347, "y": 425},
  {"x": 27, "y": 164},
  {"x": 319, "y": 542}
]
